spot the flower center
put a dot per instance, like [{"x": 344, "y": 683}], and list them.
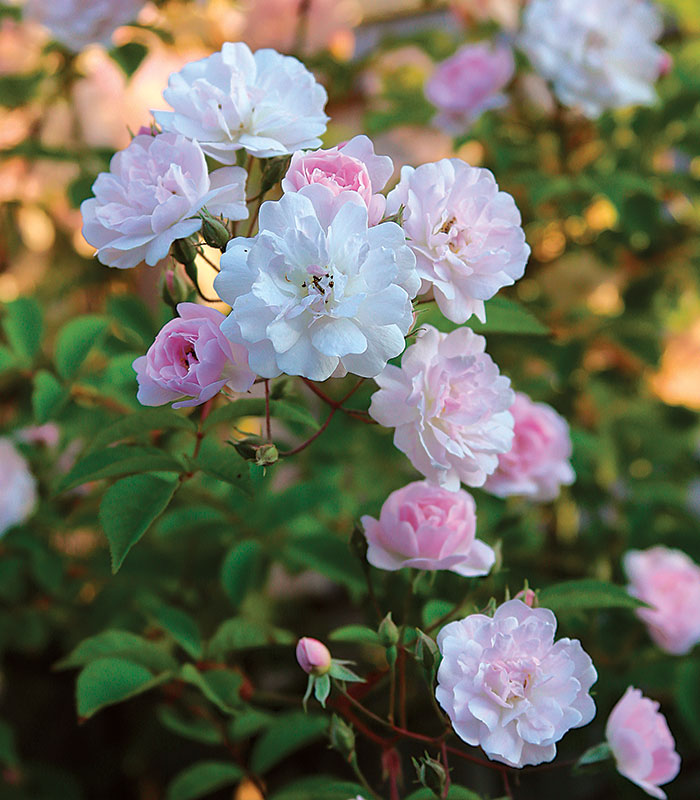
[
  {"x": 510, "y": 678},
  {"x": 457, "y": 237},
  {"x": 319, "y": 285},
  {"x": 188, "y": 356}
]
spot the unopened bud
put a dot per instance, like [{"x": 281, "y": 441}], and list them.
[
  {"x": 184, "y": 251},
  {"x": 431, "y": 774},
  {"x": 214, "y": 232},
  {"x": 313, "y": 656},
  {"x": 273, "y": 171},
  {"x": 266, "y": 454},
  {"x": 528, "y": 597},
  {"x": 388, "y": 632},
  {"x": 174, "y": 289},
  {"x": 342, "y": 737}
]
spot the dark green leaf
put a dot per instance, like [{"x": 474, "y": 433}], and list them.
[
  {"x": 316, "y": 787},
  {"x": 18, "y": 90},
  {"x": 219, "y": 686},
  {"x": 134, "y": 316},
  {"x": 291, "y": 732},
  {"x": 179, "y": 625},
  {"x": 198, "y": 729},
  {"x": 243, "y": 634},
  {"x": 225, "y": 464},
  {"x": 241, "y": 570},
  {"x": 139, "y": 423},
  {"x": 116, "y": 461},
  {"x": 23, "y": 325},
  {"x": 687, "y": 696},
  {"x": 7, "y": 359},
  {"x": 74, "y": 342},
  {"x": 48, "y": 396},
  {"x": 329, "y": 556},
  {"x": 119, "y": 644},
  {"x": 129, "y": 508},
  {"x": 8, "y": 751},
  {"x": 129, "y": 56},
  {"x": 586, "y": 594},
  {"x": 111, "y": 680}
]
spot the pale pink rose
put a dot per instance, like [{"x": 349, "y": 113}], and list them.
[
  {"x": 313, "y": 656},
  {"x": 152, "y": 195},
  {"x": 427, "y": 528},
  {"x": 465, "y": 232},
  {"x": 641, "y": 742},
  {"x": 449, "y": 405},
  {"x": 191, "y": 360},
  {"x": 508, "y": 687},
  {"x": 469, "y": 83},
  {"x": 18, "y": 492},
  {"x": 78, "y": 23},
  {"x": 350, "y": 171},
  {"x": 668, "y": 581},
  {"x": 537, "y": 464}
]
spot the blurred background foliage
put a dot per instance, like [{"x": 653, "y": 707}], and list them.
[{"x": 607, "y": 330}]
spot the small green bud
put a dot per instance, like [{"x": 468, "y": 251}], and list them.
[
  {"x": 431, "y": 774},
  {"x": 273, "y": 172},
  {"x": 214, "y": 232},
  {"x": 185, "y": 251},
  {"x": 342, "y": 737},
  {"x": 174, "y": 289},
  {"x": 247, "y": 448},
  {"x": 388, "y": 632},
  {"x": 266, "y": 454}
]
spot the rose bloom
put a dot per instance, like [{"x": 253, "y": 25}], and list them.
[
  {"x": 350, "y": 171},
  {"x": 508, "y": 687},
  {"x": 669, "y": 582},
  {"x": 466, "y": 234},
  {"x": 449, "y": 405},
  {"x": 151, "y": 196},
  {"x": 191, "y": 360},
  {"x": 641, "y": 743},
  {"x": 428, "y": 528},
  {"x": 469, "y": 83},
  {"x": 594, "y": 61},
  {"x": 18, "y": 494},
  {"x": 78, "y": 23},
  {"x": 537, "y": 464},
  {"x": 315, "y": 292},
  {"x": 313, "y": 656},
  {"x": 267, "y": 103}
]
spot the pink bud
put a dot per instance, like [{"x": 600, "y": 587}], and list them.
[
  {"x": 665, "y": 63},
  {"x": 313, "y": 656},
  {"x": 528, "y": 597},
  {"x": 145, "y": 130}
]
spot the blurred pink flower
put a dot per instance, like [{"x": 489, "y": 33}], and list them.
[
  {"x": 152, "y": 195},
  {"x": 641, "y": 742},
  {"x": 191, "y": 361},
  {"x": 449, "y": 405},
  {"x": 508, "y": 687},
  {"x": 18, "y": 493},
  {"x": 350, "y": 170},
  {"x": 466, "y": 234},
  {"x": 537, "y": 464},
  {"x": 669, "y": 581},
  {"x": 469, "y": 83},
  {"x": 78, "y": 23},
  {"x": 47, "y": 434},
  {"x": 428, "y": 528},
  {"x": 313, "y": 656}
]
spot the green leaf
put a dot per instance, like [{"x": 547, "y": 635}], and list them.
[
  {"x": 119, "y": 644},
  {"x": 48, "y": 396},
  {"x": 342, "y": 673},
  {"x": 360, "y": 634},
  {"x": 242, "y": 570},
  {"x": 502, "y": 316},
  {"x": 8, "y": 750},
  {"x": 133, "y": 316},
  {"x": 322, "y": 688},
  {"x": 600, "y": 752},
  {"x": 18, "y": 90},
  {"x": 74, "y": 342},
  {"x": 179, "y": 625},
  {"x": 586, "y": 594},
  {"x": 219, "y": 686},
  {"x": 225, "y": 464},
  {"x": 327, "y": 555},
  {"x": 23, "y": 325},
  {"x": 687, "y": 696},
  {"x": 7, "y": 359},
  {"x": 129, "y": 56},
  {"x": 248, "y": 724},
  {"x": 434, "y": 610},
  {"x": 316, "y": 787},
  {"x": 80, "y": 189},
  {"x": 198, "y": 729},
  {"x": 255, "y": 407},
  {"x": 129, "y": 508},
  {"x": 455, "y": 793},
  {"x": 139, "y": 423},
  {"x": 117, "y": 461},
  {"x": 111, "y": 680},
  {"x": 239, "y": 633},
  {"x": 291, "y": 732}
]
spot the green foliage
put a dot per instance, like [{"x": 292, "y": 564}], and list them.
[
  {"x": 202, "y": 779},
  {"x": 74, "y": 342},
  {"x": 586, "y": 594},
  {"x": 48, "y": 397},
  {"x": 106, "y": 681},
  {"x": 23, "y": 325},
  {"x": 291, "y": 732}
]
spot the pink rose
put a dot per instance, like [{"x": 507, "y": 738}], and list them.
[
  {"x": 641, "y": 743},
  {"x": 469, "y": 83},
  {"x": 313, "y": 656},
  {"x": 191, "y": 361},
  {"x": 449, "y": 406},
  {"x": 669, "y": 582},
  {"x": 537, "y": 464},
  {"x": 350, "y": 171},
  {"x": 18, "y": 489},
  {"x": 429, "y": 528},
  {"x": 508, "y": 687}
]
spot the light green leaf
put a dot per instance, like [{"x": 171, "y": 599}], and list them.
[
  {"x": 75, "y": 340},
  {"x": 600, "y": 752},
  {"x": 360, "y": 634},
  {"x": 48, "y": 396},
  {"x": 129, "y": 508},
  {"x": 316, "y": 787},
  {"x": 141, "y": 422},
  {"x": 23, "y": 325},
  {"x": 112, "y": 680},
  {"x": 291, "y": 732},
  {"x": 179, "y": 625},
  {"x": 242, "y": 570},
  {"x": 585, "y": 594},
  {"x": 203, "y": 779},
  {"x": 119, "y": 644}
]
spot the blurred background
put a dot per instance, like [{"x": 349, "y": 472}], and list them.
[{"x": 611, "y": 209}]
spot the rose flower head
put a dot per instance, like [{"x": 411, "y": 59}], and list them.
[{"x": 18, "y": 492}]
